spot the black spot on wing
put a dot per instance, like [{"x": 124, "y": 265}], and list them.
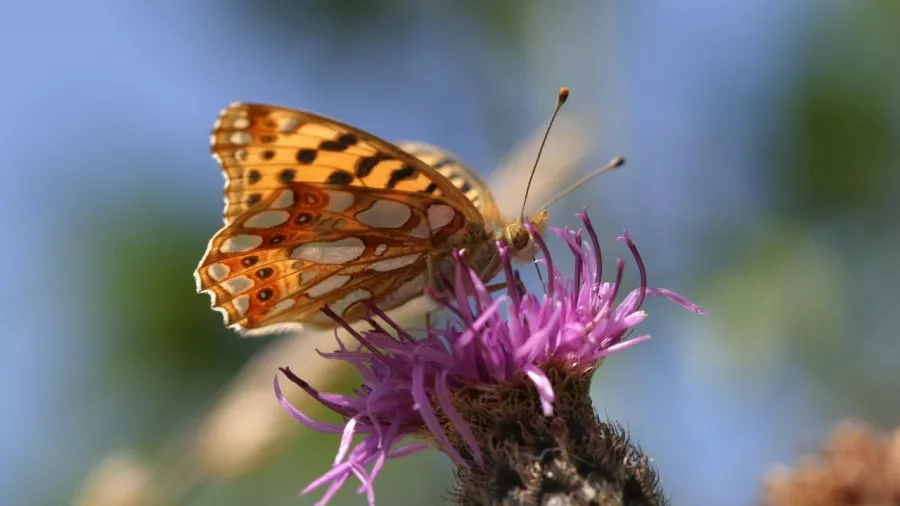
[
  {"x": 365, "y": 164},
  {"x": 306, "y": 156},
  {"x": 442, "y": 163},
  {"x": 341, "y": 144},
  {"x": 401, "y": 174},
  {"x": 287, "y": 175},
  {"x": 340, "y": 177}
]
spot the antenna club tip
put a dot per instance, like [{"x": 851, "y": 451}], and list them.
[
  {"x": 617, "y": 162},
  {"x": 563, "y": 95}
]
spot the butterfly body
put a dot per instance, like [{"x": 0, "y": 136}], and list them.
[{"x": 320, "y": 213}]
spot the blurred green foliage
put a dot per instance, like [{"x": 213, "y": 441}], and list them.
[
  {"x": 162, "y": 345},
  {"x": 840, "y": 137},
  {"x": 348, "y": 22}
]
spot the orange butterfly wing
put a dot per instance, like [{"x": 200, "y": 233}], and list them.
[
  {"x": 318, "y": 212},
  {"x": 261, "y": 148},
  {"x": 463, "y": 177}
]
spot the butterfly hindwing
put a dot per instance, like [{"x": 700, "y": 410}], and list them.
[
  {"x": 463, "y": 177},
  {"x": 312, "y": 244}
]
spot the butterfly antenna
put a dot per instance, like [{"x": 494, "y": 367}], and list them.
[
  {"x": 560, "y": 100},
  {"x": 613, "y": 164}
]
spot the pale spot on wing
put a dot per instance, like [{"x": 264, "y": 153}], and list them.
[
  {"x": 331, "y": 253},
  {"x": 385, "y": 214},
  {"x": 338, "y": 201},
  {"x": 307, "y": 276},
  {"x": 240, "y": 154},
  {"x": 240, "y": 138},
  {"x": 421, "y": 231},
  {"x": 218, "y": 271},
  {"x": 241, "y": 123},
  {"x": 390, "y": 264},
  {"x": 240, "y": 243},
  {"x": 286, "y": 199},
  {"x": 379, "y": 250},
  {"x": 409, "y": 289},
  {"x": 237, "y": 285},
  {"x": 287, "y": 125},
  {"x": 347, "y": 300},
  {"x": 321, "y": 318},
  {"x": 440, "y": 215},
  {"x": 267, "y": 219},
  {"x": 282, "y": 306},
  {"x": 317, "y": 130},
  {"x": 329, "y": 285},
  {"x": 241, "y": 304}
]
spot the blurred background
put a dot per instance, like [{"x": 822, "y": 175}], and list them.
[{"x": 762, "y": 180}]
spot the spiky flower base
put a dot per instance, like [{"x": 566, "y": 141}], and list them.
[{"x": 570, "y": 458}]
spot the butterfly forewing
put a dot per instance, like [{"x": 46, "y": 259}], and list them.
[{"x": 262, "y": 148}]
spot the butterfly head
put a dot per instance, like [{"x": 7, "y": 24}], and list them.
[{"x": 520, "y": 242}]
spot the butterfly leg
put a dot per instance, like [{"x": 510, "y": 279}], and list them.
[
  {"x": 428, "y": 319},
  {"x": 429, "y": 266},
  {"x": 496, "y": 287}
]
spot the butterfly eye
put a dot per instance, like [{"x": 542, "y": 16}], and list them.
[{"x": 520, "y": 238}]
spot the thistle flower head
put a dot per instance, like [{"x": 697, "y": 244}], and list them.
[{"x": 516, "y": 362}]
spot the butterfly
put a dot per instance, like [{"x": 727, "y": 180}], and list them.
[{"x": 320, "y": 213}]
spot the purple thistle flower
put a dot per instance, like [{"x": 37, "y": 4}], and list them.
[{"x": 461, "y": 386}]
